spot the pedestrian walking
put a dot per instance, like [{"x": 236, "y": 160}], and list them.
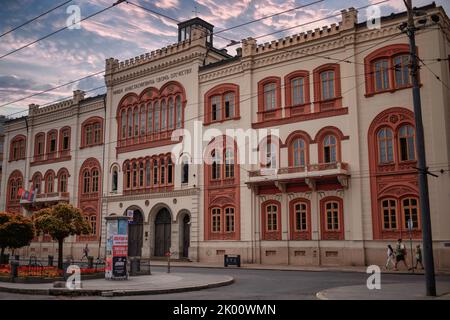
[
  {"x": 418, "y": 257},
  {"x": 400, "y": 254},
  {"x": 390, "y": 257},
  {"x": 85, "y": 252}
]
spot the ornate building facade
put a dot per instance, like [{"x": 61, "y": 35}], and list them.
[{"x": 334, "y": 186}]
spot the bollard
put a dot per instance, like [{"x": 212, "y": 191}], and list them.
[
  {"x": 50, "y": 261},
  {"x": 168, "y": 254},
  {"x": 90, "y": 262},
  {"x": 135, "y": 266},
  {"x": 14, "y": 269}
]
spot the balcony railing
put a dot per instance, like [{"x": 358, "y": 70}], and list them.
[
  {"x": 49, "y": 197},
  {"x": 310, "y": 170}
]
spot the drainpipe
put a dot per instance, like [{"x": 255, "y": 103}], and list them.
[{"x": 103, "y": 186}]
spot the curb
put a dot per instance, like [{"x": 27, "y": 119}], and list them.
[
  {"x": 304, "y": 270},
  {"x": 114, "y": 293}
]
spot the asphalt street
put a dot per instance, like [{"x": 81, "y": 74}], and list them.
[{"x": 257, "y": 285}]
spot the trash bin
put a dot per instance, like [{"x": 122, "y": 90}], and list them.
[
  {"x": 90, "y": 262},
  {"x": 50, "y": 261},
  {"x": 135, "y": 266},
  {"x": 14, "y": 269}
]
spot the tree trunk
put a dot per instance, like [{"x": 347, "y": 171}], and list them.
[
  {"x": 2, "y": 255},
  {"x": 60, "y": 253}
]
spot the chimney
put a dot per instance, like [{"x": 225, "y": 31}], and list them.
[
  {"x": 349, "y": 18},
  {"x": 78, "y": 95},
  {"x": 32, "y": 108},
  {"x": 248, "y": 47}
]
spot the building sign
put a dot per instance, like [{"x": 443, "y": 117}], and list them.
[
  {"x": 116, "y": 248},
  {"x": 150, "y": 82}
]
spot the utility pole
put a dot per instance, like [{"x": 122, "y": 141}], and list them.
[{"x": 421, "y": 159}]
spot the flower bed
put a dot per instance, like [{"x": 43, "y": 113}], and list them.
[{"x": 43, "y": 272}]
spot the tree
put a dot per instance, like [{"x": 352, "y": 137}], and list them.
[
  {"x": 16, "y": 231},
  {"x": 61, "y": 221}
]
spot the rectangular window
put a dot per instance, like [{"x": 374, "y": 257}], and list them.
[
  {"x": 148, "y": 174},
  {"x": 150, "y": 119},
  {"x": 53, "y": 143},
  {"x": 300, "y": 217},
  {"x": 327, "y": 85},
  {"x": 229, "y": 105},
  {"x": 185, "y": 175},
  {"x": 88, "y": 135},
  {"x": 179, "y": 114},
  {"x": 143, "y": 119},
  {"x": 155, "y": 173},
  {"x": 332, "y": 216},
  {"x": 97, "y": 133},
  {"x": 389, "y": 209},
  {"x": 402, "y": 76},
  {"x": 163, "y": 115},
  {"x": 156, "y": 117},
  {"x": 410, "y": 212},
  {"x": 65, "y": 143},
  {"x": 171, "y": 114},
  {"x": 272, "y": 223}
]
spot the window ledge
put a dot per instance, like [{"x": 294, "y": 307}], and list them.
[
  {"x": 91, "y": 145},
  {"x": 221, "y": 121},
  {"x": 390, "y": 90},
  {"x": 42, "y": 161}
]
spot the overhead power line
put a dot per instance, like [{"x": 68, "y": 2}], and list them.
[
  {"x": 35, "y": 18},
  {"x": 59, "y": 30}
]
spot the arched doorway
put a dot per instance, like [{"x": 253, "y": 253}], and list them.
[
  {"x": 162, "y": 232},
  {"x": 135, "y": 233},
  {"x": 186, "y": 236}
]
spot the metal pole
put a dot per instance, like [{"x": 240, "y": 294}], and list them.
[{"x": 421, "y": 161}]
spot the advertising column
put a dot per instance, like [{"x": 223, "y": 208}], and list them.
[{"x": 116, "y": 248}]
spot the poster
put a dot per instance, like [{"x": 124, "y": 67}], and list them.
[{"x": 116, "y": 248}]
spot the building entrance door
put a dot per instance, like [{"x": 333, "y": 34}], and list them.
[{"x": 163, "y": 225}]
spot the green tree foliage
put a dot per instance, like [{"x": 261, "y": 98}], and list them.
[
  {"x": 16, "y": 231},
  {"x": 61, "y": 221}
]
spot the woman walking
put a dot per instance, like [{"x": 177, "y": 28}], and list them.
[{"x": 390, "y": 257}]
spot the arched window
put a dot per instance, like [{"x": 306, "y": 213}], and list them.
[
  {"x": 163, "y": 115},
  {"x": 229, "y": 163},
  {"x": 272, "y": 218},
  {"x": 114, "y": 180},
  {"x": 332, "y": 222},
  {"x": 148, "y": 174},
  {"x": 130, "y": 123},
  {"x": 410, "y": 210},
  {"x": 128, "y": 175},
  {"x": 215, "y": 167},
  {"x": 329, "y": 149},
  {"x": 389, "y": 214},
  {"x": 270, "y": 99},
  {"x": 65, "y": 141},
  {"x": 299, "y": 153},
  {"x": 229, "y": 219},
  {"x": 179, "y": 111},
  {"x": 185, "y": 171},
  {"x": 155, "y": 173},
  {"x": 13, "y": 191},
  {"x": 171, "y": 113},
  {"x": 215, "y": 108},
  {"x": 135, "y": 172},
  {"x": 93, "y": 224},
  {"x": 150, "y": 118},
  {"x": 123, "y": 119},
  {"x": 37, "y": 182},
  {"x": 298, "y": 91},
  {"x": 229, "y": 105},
  {"x": 49, "y": 182},
  {"x": 92, "y": 132},
  {"x": 169, "y": 171},
  {"x": 143, "y": 120},
  {"x": 402, "y": 75},
  {"x": 86, "y": 181},
  {"x": 157, "y": 117},
  {"x": 301, "y": 218},
  {"x": 406, "y": 143},
  {"x": 17, "y": 148},
  {"x": 327, "y": 85},
  {"x": 387, "y": 69},
  {"x": 52, "y": 143},
  {"x": 95, "y": 176},
  {"x": 385, "y": 145},
  {"x": 381, "y": 69},
  {"x": 215, "y": 220},
  {"x": 162, "y": 180},
  {"x": 136, "y": 121},
  {"x": 39, "y": 146},
  {"x": 141, "y": 174},
  {"x": 62, "y": 180}
]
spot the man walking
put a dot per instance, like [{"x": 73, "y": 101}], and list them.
[
  {"x": 85, "y": 252},
  {"x": 400, "y": 253}
]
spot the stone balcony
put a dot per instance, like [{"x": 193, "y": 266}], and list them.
[
  {"x": 48, "y": 198},
  {"x": 309, "y": 174}
]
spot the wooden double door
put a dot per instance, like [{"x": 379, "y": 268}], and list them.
[{"x": 163, "y": 229}]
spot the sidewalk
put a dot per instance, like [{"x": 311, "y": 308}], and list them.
[
  {"x": 393, "y": 291},
  {"x": 360, "y": 269},
  {"x": 157, "y": 283}
]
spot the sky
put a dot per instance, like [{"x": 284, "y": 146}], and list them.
[{"x": 126, "y": 31}]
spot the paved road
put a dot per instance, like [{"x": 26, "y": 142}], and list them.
[{"x": 259, "y": 284}]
